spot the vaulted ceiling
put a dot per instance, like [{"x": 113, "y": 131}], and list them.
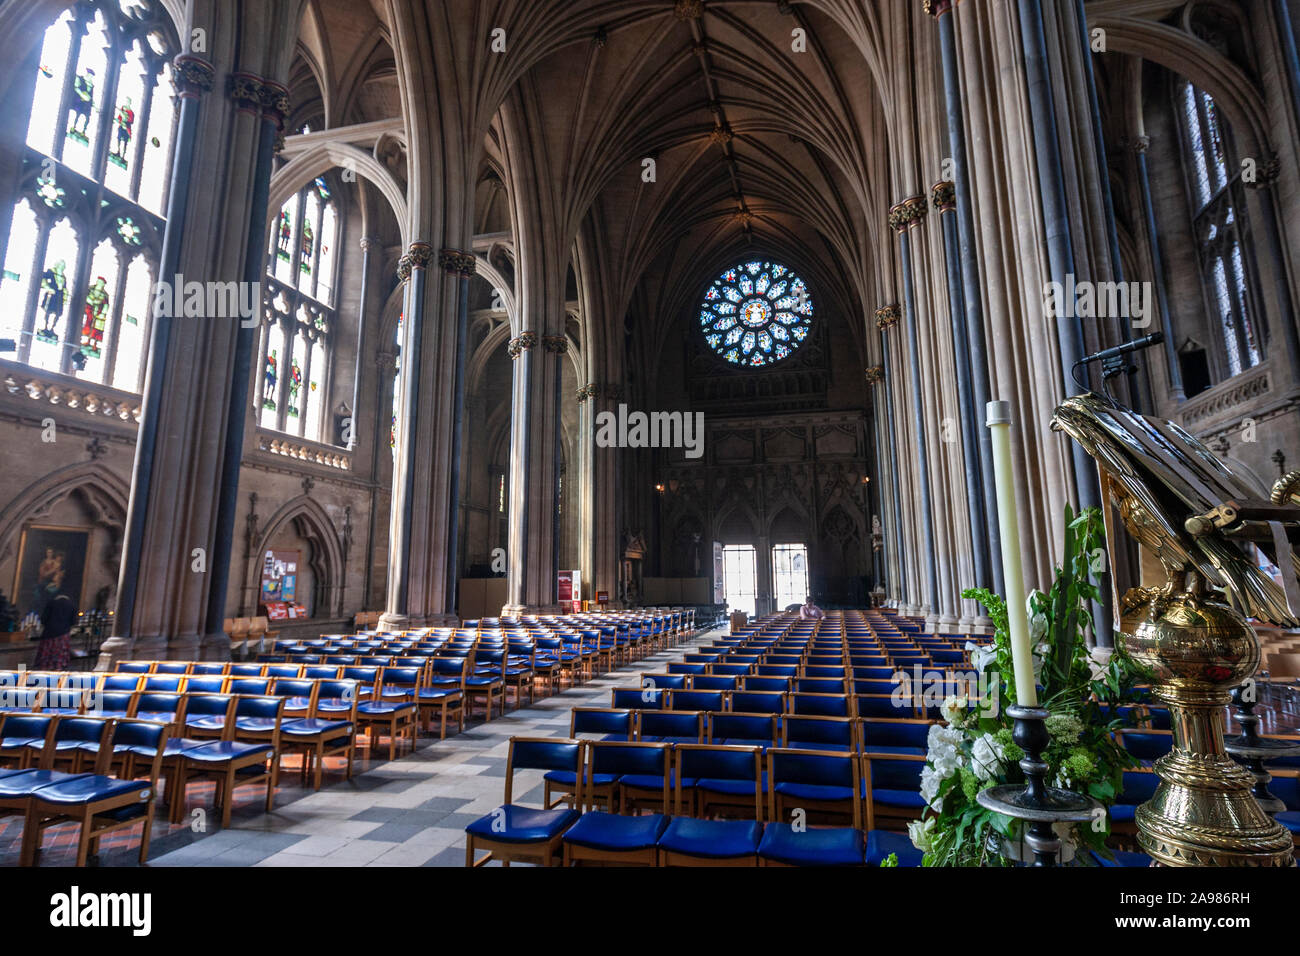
[{"x": 664, "y": 138}]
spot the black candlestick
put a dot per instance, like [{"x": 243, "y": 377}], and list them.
[
  {"x": 1252, "y": 750},
  {"x": 1039, "y": 805}
]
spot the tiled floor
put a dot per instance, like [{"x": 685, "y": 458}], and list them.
[{"x": 409, "y": 812}]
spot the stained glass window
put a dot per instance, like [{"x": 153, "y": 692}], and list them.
[
  {"x": 1218, "y": 206},
  {"x": 756, "y": 314},
  {"x": 298, "y": 312},
  {"x": 85, "y": 233}
]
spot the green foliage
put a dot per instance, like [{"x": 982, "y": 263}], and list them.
[{"x": 1082, "y": 755}]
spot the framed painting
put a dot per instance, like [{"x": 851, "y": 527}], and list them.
[{"x": 50, "y": 559}]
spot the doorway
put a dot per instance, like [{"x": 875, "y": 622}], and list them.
[
  {"x": 789, "y": 574},
  {"x": 739, "y": 577}
]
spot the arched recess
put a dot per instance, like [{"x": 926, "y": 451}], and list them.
[
  {"x": 736, "y": 525},
  {"x": 102, "y": 495},
  {"x": 790, "y": 525},
  {"x": 1185, "y": 55},
  {"x": 324, "y": 156},
  {"x": 374, "y": 60},
  {"x": 488, "y": 268},
  {"x": 310, "y": 521}
]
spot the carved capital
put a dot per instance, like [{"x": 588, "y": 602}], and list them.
[
  {"x": 521, "y": 343},
  {"x": 908, "y": 213},
  {"x": 887, "y": 317},
  {"x": 590, "y": 390},
  {"x": 555, "y": 344},
  {"x": 936, "y": 8},
  {"x": 875, "y": 374},
  {"x": 455, "y": 262},
  {"x": 404, "y": 268},
  {"x": 192, "y": 75},
  {"x": 420, "y": 254},
  {"x": 276, "y": 105},
  {"x": 944, "y": 196},
  {"x": 245, "y": 91},
  {"x": 1141, "y": 144}
]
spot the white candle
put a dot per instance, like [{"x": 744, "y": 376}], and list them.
[{"x": 1022, "y": 651}]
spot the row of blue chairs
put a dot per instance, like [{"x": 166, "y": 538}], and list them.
[
  {"x": 766, "y": 788},
  {"x": 316, "y": 719},
  {"x": 100, "y": 774},
  {"x": 881, "y": 706}
]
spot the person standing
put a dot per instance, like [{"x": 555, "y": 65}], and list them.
[{"x": 55, "y": 648}]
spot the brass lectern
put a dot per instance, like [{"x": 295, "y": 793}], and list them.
[{"x": 1184, "y": 505}]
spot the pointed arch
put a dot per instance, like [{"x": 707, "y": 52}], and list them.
[{"x": 309, "y": 519}]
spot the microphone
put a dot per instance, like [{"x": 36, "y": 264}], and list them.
[{"x": 1137, "y": 345}]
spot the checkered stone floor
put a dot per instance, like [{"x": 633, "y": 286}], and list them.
[{"x": 409, "y": 812}]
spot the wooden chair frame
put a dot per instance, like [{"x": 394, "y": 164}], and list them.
[
  {"x": 670, "y": 858},
  {"x": 541, "y": 853},
  {"x": 574, "y": 853}
]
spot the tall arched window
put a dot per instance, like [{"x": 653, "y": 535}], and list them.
[
  {"x": 1217, "y": 198},
  {"x": 85, "y": 231},
  {"x": 298, "y": 315}
]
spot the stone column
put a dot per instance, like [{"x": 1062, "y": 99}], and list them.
[
  {"x": 412, "y": 269},
  {"x": 459, "y": 267},
  {"x": 944, "y": 197},
  {"x": 886, "y": 319},
  {"x": 175, "y": 529},
  {"x": 903, "y": 217},
  {"x": 533, "y": 471},
  {"x": 266, "y": 103},
  {"x": 971, "y": 297},
  {"x": 194, "y": 80},
  {"x": 367, "y": 244}
]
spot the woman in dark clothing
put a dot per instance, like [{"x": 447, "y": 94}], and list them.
[{"x": 60, "y": 614}]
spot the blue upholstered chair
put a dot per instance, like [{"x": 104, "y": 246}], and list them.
[
  {"x": 228, "y": 761},
  {"x": 100, "y": 803},
  {"x": 314, "y": 733},
  {"x": 23, "y": 738},
  {"x": 894, "y": 736},
  {"x": 513, "y": 832},
  {"x": 822, "y": 705},
  {"x": 741, "y": 730},
  {"x": 690, "y": 841},
  {"x": 611, "y": 724},
  {"x": 759, "y": 702},
  {"x": 636, "y": 699},
  {"x": 892, "y": 787},
  {"x": 607, "y": 837},
  {"x": 809, "y": 780}
]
